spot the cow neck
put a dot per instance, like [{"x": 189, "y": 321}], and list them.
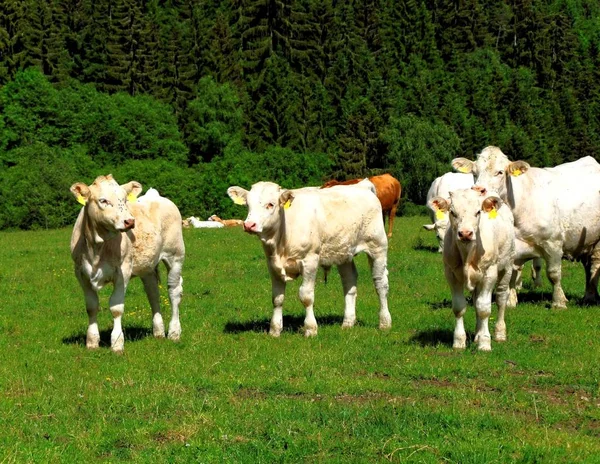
[
  {"x": 514, "y": 192},
  {"x": 273, "y": 242},
  {"x": 94, "y": 235}
]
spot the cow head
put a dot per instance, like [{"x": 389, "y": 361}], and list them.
[
  {"x": 265, "y": 201},
  {"x": 491, "y": 170},
  {"x": 466, "y": 207},
  {"x": 105, "y": 203},
  {"x": 439, "y": 206}
]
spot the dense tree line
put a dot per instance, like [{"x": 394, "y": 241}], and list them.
[{"x": 192, "y": 96}]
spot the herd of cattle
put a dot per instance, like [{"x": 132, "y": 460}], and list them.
[{"x": 490, "y": 218}]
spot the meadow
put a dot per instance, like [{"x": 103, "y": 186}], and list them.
[{"x": 228, "y": 392}]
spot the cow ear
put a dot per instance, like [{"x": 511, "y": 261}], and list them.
[
  {"x": 133, "y": 189},
  {"x": 81, "y": 192},
  {"x": 516, "y": 168},
  {"x": 286, "y": 198},
  {"x": 428, "y": 226},
  {"x": 439, "y": 204},
  {"x": 462, "y": 165},
  {"x": 238, "y": 195},
  {"x": 492, "y": 203}
]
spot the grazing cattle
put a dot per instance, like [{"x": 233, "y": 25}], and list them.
[
  {"x": 478, "y": 256},
  {"x": 115, "y": 238},
  {"x": 441, "y": 187},
  {"x": 196, "y": 223},
  {"x": 388, "y": 191},
  {"x": 226, "y": 222},
  {"x": 303, "y": 229},
  {"x": 556, "y": 212}
]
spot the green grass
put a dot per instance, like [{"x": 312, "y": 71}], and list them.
[{"x": 230, "y": 393}]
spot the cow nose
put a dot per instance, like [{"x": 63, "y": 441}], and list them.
[
  {"x": 465, "y": 234},
  {"x": 249, "y": 226},
  {"x": 129, "y": 223},
  {"x": 478, "y": 188}
]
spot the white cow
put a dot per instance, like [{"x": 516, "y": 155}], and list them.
[
  {"x": 556, "y": 212},
  {"x": 196, "y": 223},
  {"x": 115, "y": 238},
  {"x": 303, "y": 229},
  {"x": 441, "y": 187},
  {"x": 478, "y": 256}
]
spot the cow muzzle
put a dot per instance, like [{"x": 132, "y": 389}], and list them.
[
  {"x": 250, "y": 227},
  {"x": 129, "y": 223},
  {"x": 465, "y": 235}
]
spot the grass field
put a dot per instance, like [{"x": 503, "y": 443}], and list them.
[{"x": 230, "y": 393}]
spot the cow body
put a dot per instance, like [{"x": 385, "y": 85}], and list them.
[
  {"x": 441, "y": 187},
  {"x": 388, "y": 190},
  {"x": 303, "y": 229},
  {"x": 196, "y": 223},
  {"x": 478, "y": 256},
  {"x": 556, "y": 212},
  {"x": 226, "y": 222},
  {"x": 115, "y": 239}
]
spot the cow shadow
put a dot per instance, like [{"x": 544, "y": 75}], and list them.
[
  {"x": 290, "y": 324},
  {"x": 434, "y": 337},
  {"x": 132, "y": 334},
  {"x": 428, "y": 248}
]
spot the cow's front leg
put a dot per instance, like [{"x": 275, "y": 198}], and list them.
[
  {"x": 349, "y": 276},
  {"x": 502, "y": 293},
  {"x": 459, "y": 306},
  {"x": 278, "y": 295},
  {"x": 117, "y": 306},
  {"x": 591, "y": 265},
  {"x": 307, "y": 294},
  {"x": 92, "y": 339},
  {"x": 483, "y": 308}
]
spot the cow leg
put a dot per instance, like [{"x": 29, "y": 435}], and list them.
[
  {"x": 554, "y": 271},
  {"x": 92, "y": 306},
  {"x": 151, "y": 287},
  {"x": 483, "y": 308},
  {"x": 278, "y": 295},
  {"x": 349, "y": 276},
  {"x": 117, "y": 306},
  {"x": 307, "y": 294},
  {"x": 536, "y": 272},
  {"x": 591, "y": 264},
  {"x": 502, "y": 293},
  {"x": 459, "y": 307},
  {"x": 391, "y": 219},
  {"x": 175, "y": 288},
  {"x": 378, "y": 263}
]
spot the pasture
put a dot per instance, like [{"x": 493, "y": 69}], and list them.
[{"x": 230, "y": 393}]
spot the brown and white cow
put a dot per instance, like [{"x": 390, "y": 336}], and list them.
[
  {"x": 556, "y": 212},
  {"x": 117, "y": 237},
  {"x": 303, "y": 229},
  {"x": 388, "y": 190},
  {"x": 227, "y": 222},
  {"x": 478, "y": 255}
]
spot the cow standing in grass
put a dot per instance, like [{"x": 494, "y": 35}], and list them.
[
  {"x": 478, "y": 256},
  {"x": 303, "y": 229},
  {"x": 117, "y": 236},
  {"x": 387, "y": 189},
  {"x": 556, "y": 212}
]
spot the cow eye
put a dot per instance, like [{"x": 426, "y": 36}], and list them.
[
  {"x": 500, "y": 173},
  {"x": 269, "y": 206},
  {"x": 477, "y": 213},
  {"x": 103, "y": 202}
]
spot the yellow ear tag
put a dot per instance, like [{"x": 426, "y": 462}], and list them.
[
  {"x": 464, "y": 170},
  {"x": 439, "y": 215},
  {"x": 238, "y": 201},
  {"x": 131, "y": 198},
  {"x": 516, "y": 173},
  {"x": 493, "y": 213},
  {"x": 81, "y": 200},
  {"x": 287, "y": 204}
]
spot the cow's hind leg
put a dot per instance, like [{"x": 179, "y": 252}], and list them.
[
  {"x": 175, "y": 288},
  {"x": 307, "y": 294},
  {"x": 378, "y": 263},
  {"x": 591, "y": 265},
  {"x": 554, "y": 270},
  {"x": 151, "y": 287},
  {"x": 391, "y": 219},
  {"x": 349, "y": 276}
]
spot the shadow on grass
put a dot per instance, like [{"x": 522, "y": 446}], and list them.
[
  {"x": 434, "y": 337},
  {"x": 290, "y": 324},
  {"x": 132, "y": 333},
  {"x": 422, "y": 247}
]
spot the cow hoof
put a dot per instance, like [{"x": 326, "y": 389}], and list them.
[
  {"x": 460, "y": 343},
  {"x": 484, "y": 347},
  {"x": 274, "y": 332},
  {"x": 348, "y": 324},
  {"x": 500, "y": 337},
  {"x": 159, "y": 334},
  {"x": 174, "y": 336},
  {"x": 92, "y": 342},
  {"x": 559, "y": 306},
  {"x": 310, "y": 332},
  {"x": 390, "y": 235}
]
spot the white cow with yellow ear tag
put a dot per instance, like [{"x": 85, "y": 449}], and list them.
[{"x": 478, "y": 255}]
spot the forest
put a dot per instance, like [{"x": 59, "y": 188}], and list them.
[{"x": 193, "y": 96}]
